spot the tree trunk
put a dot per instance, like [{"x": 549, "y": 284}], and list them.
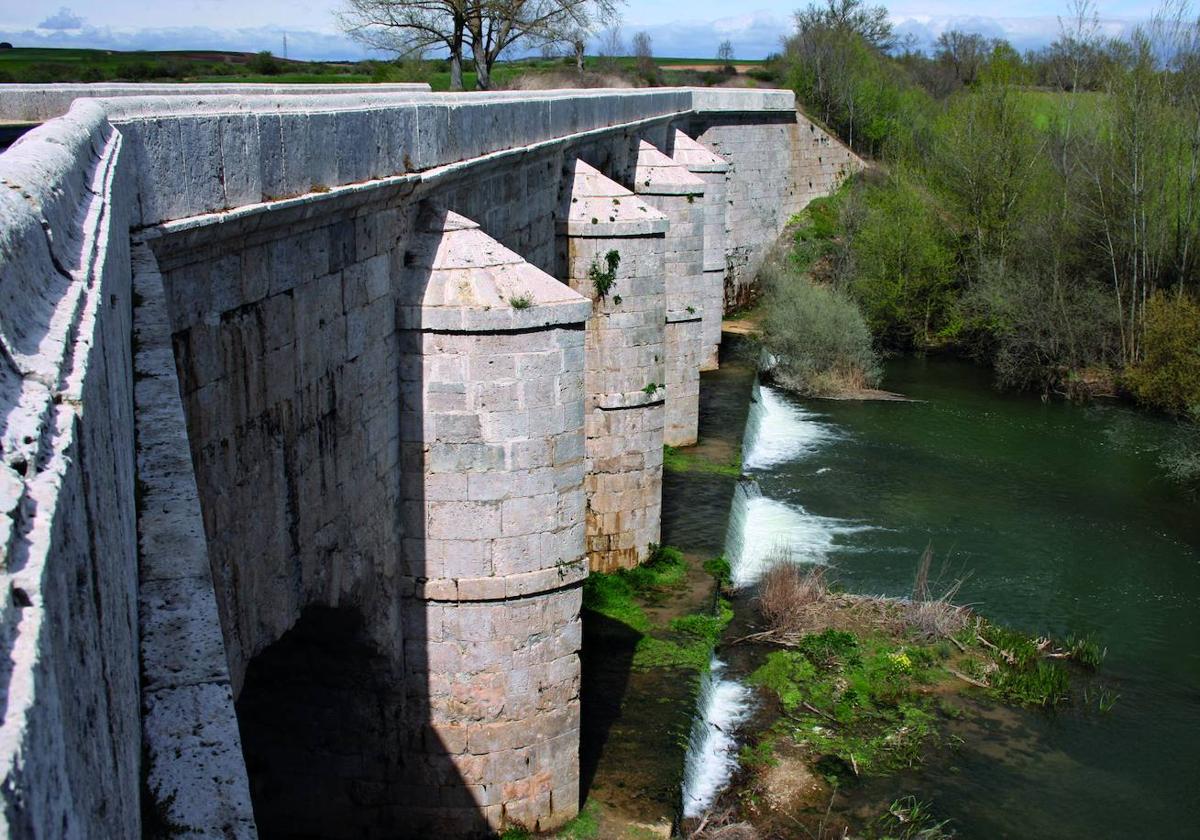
[
  {"x": 483, "y": 74},
  {"x": 579, "y": 48},
  {"x": 456, "y": 80}
]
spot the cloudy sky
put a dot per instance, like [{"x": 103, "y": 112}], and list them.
[{"x": 691, "y": 28}]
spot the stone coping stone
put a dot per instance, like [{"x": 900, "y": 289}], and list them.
[
  {"x": 683, "y": 316},
  {"x": 695, "y": 156},
  {"x": 497, "y": 588},
  {"x": 473, "y": 281},
  {"x": 596, "y": 206},
  {"x": 658, "y": 174},
  {"x": 618, "y": 401},
  {"x": 741, "y": 100},
  {"x": 38, "y": 103}
]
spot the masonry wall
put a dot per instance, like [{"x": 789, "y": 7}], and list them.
[
  {"x": 289, "y": 371},
  {"x": 779, "y": 161},
  {"x": 70, "y": 741},
  {"x": 282, "y": 228}
]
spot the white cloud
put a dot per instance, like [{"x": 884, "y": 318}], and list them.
[{"x": 62, "y": 20}]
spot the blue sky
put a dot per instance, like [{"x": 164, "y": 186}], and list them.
[{"x": 677, "y": 27}]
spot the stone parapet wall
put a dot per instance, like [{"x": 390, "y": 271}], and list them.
[
  {"x": 70, "y": 742},
  {"x": 195, "y": 774},
  {"x": 38, "y": 103}
]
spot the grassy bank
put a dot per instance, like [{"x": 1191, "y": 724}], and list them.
[{"x": 856, "y": 689}]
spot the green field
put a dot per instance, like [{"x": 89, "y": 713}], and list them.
[{"x": 42, "y": 66}]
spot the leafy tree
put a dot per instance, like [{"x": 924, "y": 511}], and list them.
[{"x": 902, "y": 265}]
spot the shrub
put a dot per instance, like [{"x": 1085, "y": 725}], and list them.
[
  {"x": 903, "y": 264},
  {"x": 1034, "y": 333},
  {"x": 1168, "y": 377},
  {"x": 264, "y": 64},
  {"x": 819, "y": 339},
  {"x": 785, "y": 591}
]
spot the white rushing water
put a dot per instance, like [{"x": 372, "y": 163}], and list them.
[
  {"x": 778, "y": 431},
  {"x": 712, "y": 751},
  {"x": 763, "y": 531}
]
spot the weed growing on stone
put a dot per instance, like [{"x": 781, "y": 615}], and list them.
[
  {"x": 908, "y": 818},
  {"x": 603, "y": 279},
  {"x": 720, "y": 569},
  {"x": 585, "y": 826},
  {"x": 520, "y": 302}
]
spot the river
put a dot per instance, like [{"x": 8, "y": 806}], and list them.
[{"x": 1059, "y": 520}]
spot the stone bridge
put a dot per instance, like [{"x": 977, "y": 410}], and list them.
[{"x": 315, "y": 411}]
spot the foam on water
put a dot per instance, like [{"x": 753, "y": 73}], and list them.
[
  {"x": 712, "y": 751},
  {"x": 778, "y": 431},
  {"x": 764, "y": 530}
]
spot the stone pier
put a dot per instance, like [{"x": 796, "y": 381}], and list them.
[
  {"x": 711, "y": 169},
  {"x": 493, "y": 461},
  {"x": 316, "y": 405},
  {"x": 668, "y": 186},
  {"x": 612, "y": 251}
]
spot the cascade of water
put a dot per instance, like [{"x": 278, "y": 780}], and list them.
[
  {"x": 712, "y": 752},
  {"x": 763, "y": 530},
  {"x": 760, "y": 528},
  {"x": 778, "y": 431}
]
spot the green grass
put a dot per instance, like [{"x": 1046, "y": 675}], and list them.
[
  {"x": 40, "y": 65},
  {"x": 686, "y": 642},
  {"x": 682, "y": 461},
  {"x": 854, "y": 702}
]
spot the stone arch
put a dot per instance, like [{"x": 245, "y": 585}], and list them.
[{"x": 321, "y": 714}]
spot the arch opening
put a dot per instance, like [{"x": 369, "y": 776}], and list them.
[{"x": 320, "y": 714}]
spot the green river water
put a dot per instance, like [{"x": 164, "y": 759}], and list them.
[{"x": 1061, "y": 519}]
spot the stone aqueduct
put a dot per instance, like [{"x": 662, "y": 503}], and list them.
[{"x": 315, "y": 411}]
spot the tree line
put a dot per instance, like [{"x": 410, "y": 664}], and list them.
[
  {"x": 481, "y": 30},
  {"x": 1039, "y": 212}
]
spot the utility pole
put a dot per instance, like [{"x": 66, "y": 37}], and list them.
[{"x": 285, "y": 46}]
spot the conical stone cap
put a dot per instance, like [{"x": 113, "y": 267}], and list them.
[
  {"x": 459, "y": 279},
  {"x": 696, "y": 157},
  {"x": 658, "y": 174},
  {"x": 597, "y": 206}
]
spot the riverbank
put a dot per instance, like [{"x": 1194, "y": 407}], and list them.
[{"x": 852, "y": 692}]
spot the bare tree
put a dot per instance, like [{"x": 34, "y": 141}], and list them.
[
  {"x": 643, "y": 54},
  {"x": 869, "y": 22},
  {"x": 965, "y": 52},
  {"x": 494, "y": 26},
  {"x": 488, "y": 27},
  {"x": 407, "y": 28},
  {"x": 725, "y": 52}
]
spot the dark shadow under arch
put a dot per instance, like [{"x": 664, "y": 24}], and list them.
[{"x": 320, "y": 715}]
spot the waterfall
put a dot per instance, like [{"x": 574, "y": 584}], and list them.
[
  {"x": 763, "y": 530},
  {"x": 712, "y": 752},
  {"x": 778, "y": 431},
  {"x": 760, "y": 530}
]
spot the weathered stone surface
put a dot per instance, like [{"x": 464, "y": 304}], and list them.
[
  {"x": 362, "y": 440},
  {"x": 667, "y": 185},
  {"x": 624, "y": 360},
  {"x": 494, "y": 575},
  {"x": 712, "y": 170}
]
